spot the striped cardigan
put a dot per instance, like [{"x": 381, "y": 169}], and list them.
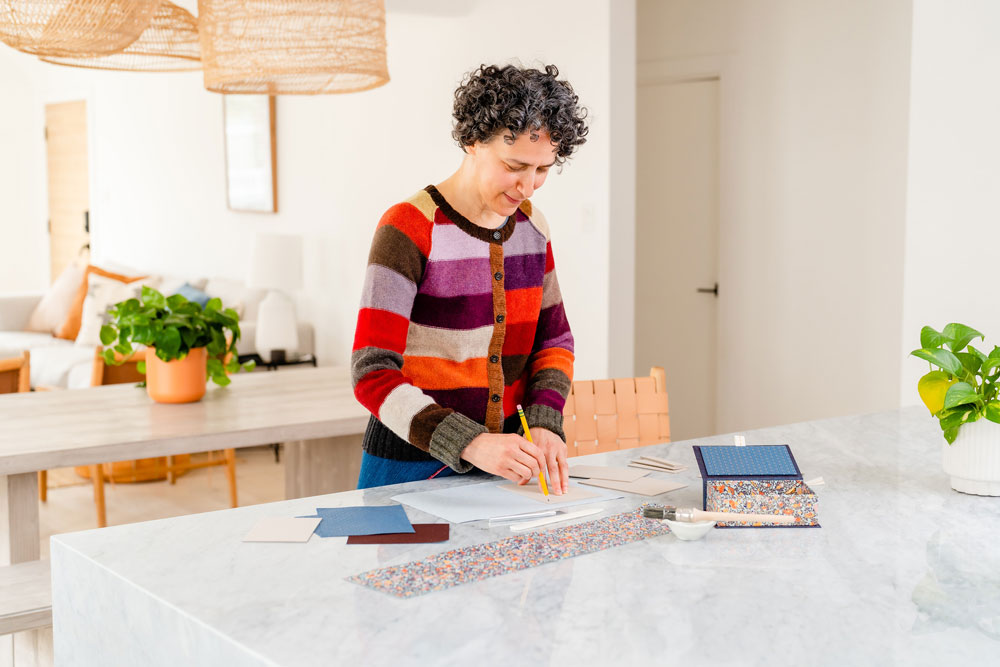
[{"x": 458, "y": 324}]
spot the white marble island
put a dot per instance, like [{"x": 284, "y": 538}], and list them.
[{"x": 903, "y": 571}]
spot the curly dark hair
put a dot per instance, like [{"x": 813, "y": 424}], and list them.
[{"x": 515, "y": 99}]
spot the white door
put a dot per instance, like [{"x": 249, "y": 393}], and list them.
[
  {"x": 69, "y": 194},
  {"x": 677, "y": 241}
]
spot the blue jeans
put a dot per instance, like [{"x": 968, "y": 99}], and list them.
[{"x": 376, "y": 471}]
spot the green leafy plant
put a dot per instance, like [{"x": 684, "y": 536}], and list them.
[
  {"x": 965, "y": 388},
  {"x": 174, "y": 326}
]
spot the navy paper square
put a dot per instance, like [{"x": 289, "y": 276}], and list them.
[{"x": 374, "y": 520}]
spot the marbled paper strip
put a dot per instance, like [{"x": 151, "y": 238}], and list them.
[{"x": 494, "y": 559}]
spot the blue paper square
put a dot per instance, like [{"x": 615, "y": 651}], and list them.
[
  {"x": 758, "y": 460},
  {"x": 377, "y": 520}
]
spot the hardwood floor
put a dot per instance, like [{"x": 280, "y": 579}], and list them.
[{"x": 70, "y": 504}]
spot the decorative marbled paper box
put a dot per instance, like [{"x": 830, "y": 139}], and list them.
[{"x": 762, "y": 479}]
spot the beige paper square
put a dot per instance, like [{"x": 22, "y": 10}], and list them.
[
  {"x": 282, "y": 529},
  {"x": 647, "y": 486},
  {"x": 605, "y": 472}
]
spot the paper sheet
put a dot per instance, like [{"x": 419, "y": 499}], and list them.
[
  {"x": 647, "y": 486},
  {"x": 533, "y": 491},
  {"x": 471, "y": 502},
  {"x": 424, "y": 533},
  {"x": 482, "y": 561},
  {"x": 605, "y": 472},
  {"x": 282, "y": 529},
  {"x": 370, "y": 520}
]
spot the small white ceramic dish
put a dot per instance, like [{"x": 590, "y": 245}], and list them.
[{"x": 685, "y": 530}]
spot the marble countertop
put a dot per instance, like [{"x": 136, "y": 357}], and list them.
[{"x": 903, "y": 571}]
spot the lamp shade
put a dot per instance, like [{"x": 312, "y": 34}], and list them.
[
  {"x": 73, "y": 28},
  {"x": 289, "y": 47},
  {"x": 169, "y": 44},
  {"x": 276, "y": 262}
]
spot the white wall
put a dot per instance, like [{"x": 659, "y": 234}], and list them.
[
  {"x": 813, "y": 196},
  {"x": 953, "y": 214},
  {"x": 621, "y": 178},
  {"x": 158, "y": 184},
  {"x": 24, "y": 259}
]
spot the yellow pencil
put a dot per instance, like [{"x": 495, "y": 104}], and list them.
[{"x": 527, "y": 434}]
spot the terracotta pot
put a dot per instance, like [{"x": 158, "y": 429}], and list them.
[{"x": 178, "y": 381}]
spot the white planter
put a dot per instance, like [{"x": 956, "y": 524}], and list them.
[{"x": 973, "y": 461}]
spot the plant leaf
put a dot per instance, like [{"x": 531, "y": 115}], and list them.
[
  {"x": 108, "y": 335},
  {"x": 932, "y": 389},
  {"x": 109, "y": 356},
  {"x": 141, "y": 367},
  {"x": 993, "y": 411},
  {"x": 168, "y": 342},
  {"x": 941, "y": 358},
  {"x": 961, "y": 393},
  {"x": 969, "y": 361},
  {"x": 950, "y": 435},
  {"x": 930, "y": 337},
  {"x": 214, "y": 304},
  {"x": 150, "y": 297},
  {"x": 960, "y": 335},
  {"x": 979, "y": 355},
  {"x": 990, "y": 364}
]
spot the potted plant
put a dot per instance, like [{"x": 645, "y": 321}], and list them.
[
  {"x": 963, "y": 394},
  {"x": 186, "y": 344}
]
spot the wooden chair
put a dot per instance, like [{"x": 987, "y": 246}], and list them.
[
  {"x": 606, "y": 415},
  {"x": 15, "y": 374},
  {"x": 138, "y": 470}
]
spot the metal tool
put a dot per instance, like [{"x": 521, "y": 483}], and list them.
[{"x": 692, "y": 515}]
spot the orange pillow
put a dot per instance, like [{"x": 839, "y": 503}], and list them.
[{"x": 71, "y": 325}]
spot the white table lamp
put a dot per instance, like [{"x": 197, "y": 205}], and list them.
[{"x": 276, "y": 265}]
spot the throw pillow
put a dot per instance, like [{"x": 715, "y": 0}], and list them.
[
  {"x": 71, "y": 325},
  {"x": 54, "y": 307},
  {"x": 192, "y": 293},
  {"x": 102, "y": 293}
]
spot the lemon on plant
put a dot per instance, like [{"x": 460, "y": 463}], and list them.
[{"x": 932, "y": 389}]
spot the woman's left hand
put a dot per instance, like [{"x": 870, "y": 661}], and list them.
[{"x": 554, "y": 451}]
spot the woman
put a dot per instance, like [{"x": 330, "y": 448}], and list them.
[{"x": 461, "y": 317}]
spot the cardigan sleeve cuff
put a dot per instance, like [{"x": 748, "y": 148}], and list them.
[
  {"x": 450, "y": 439},
  {"x": 542, "y": 416}
]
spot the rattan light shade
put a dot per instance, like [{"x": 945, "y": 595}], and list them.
[
  {"x": 292, "y": 47},
  {"x": 73, "y": 28},
  {"x": 169, "y": 44}
]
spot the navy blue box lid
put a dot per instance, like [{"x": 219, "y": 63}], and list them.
[{"x": 744, "y": 463}]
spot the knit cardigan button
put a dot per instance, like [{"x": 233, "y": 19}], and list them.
[
  {"x": 499, "y": 319},
  {"x": 497, "y": 235},
  {"x": 497, "y": 276},
  {"x": 495, "y": 398},
  {"x": 494, "y": 359}
]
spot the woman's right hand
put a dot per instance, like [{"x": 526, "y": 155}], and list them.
[{"x": 505, "y": 454}]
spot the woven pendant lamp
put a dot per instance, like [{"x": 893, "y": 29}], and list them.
[
  {"x": 169, "y": 44},
  {"x": 73, "y": 28},
  {"x": 292, "y": 47}
]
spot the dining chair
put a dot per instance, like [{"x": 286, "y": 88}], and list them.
[
  {"x": 139, "y": 470},
  {"x": 15, "y": 374},
  {"x": 607, "y": 415}
]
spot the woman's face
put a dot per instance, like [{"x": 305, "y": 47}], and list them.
[{"x": 508, "y": 172}]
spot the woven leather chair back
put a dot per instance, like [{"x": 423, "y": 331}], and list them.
[{"x": 606, "y": 415}]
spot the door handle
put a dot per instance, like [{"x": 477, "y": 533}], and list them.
[{"x": 709, "y": 290}]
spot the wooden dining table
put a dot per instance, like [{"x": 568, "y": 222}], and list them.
[{"x": 312, "y": 410}]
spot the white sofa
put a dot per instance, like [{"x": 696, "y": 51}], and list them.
[{"x": 56, "y": 362}]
